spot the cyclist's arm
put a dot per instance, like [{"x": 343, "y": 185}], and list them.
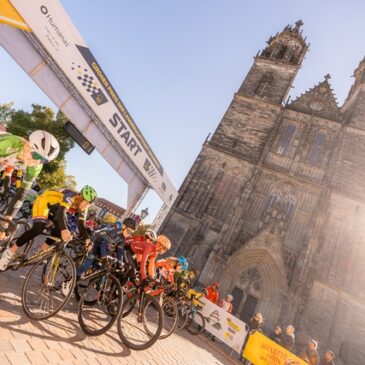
[
  {"x": 61, "y": 217},
  {"x": 151, "y": 265},
  {"x": 82, "y": 227}
]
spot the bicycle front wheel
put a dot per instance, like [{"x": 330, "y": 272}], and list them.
[
  {"x": 106, "y": 295},
  {"x": 142, "y": 327},
  {"x": 196, "y": 323},
  {"x": 170, "y": 317},
  {"x": 48, "y": 286},
  {"x": 182, "y": 316}
]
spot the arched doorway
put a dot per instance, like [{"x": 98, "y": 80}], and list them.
[{"x": 257, "y": 280}]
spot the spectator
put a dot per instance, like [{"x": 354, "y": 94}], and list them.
[
  {"x": 277, "y": 335},
  {"x": 211, "y": 293},
  {"x": 226, "y": 303},
  {"x": 288, "y": 338},
  {"x": 310, "y": 353},
  {"x": 328, "y": 358},
  {"x": 256, "y": 322}
]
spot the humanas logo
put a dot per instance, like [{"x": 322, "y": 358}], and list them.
[{"x": 44, "y": 10}]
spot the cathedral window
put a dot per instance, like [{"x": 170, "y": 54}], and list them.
[
  {"x": 316, "y": 151},
  {"x": 282, "y": 52},
  {"x": 286, "y": 140},
  {"x": 288, "y": 205},
  {"x": 263, "y": 87}
]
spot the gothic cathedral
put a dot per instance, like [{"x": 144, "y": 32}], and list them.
[{"x": 274, "y": 205}]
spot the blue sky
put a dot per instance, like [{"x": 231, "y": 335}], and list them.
[{"x": 176, "y": 65}]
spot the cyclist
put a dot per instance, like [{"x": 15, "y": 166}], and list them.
[
  {"x": 53, "y": 205},
  {"x": 101, "y": 241},
  {"x": 30, "y": 156},
  {"x": 148, "y": 252}
]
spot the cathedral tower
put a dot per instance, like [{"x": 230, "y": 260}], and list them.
[{"x": 274, "y": 205}]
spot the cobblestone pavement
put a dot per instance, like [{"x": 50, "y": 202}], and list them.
[{"x": 60, "y": 340}]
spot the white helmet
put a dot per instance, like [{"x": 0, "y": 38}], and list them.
[
  {"x": 44, "y": 145},
  {"x": 151, "y": 234}
]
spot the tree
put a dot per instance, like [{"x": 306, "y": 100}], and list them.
[
  {"x": 22, "y": 124},
  {"x": 6, "y": 112},
  {"x": 70, "y": 182}
]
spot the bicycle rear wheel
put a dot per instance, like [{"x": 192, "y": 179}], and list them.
[
  {"x": 143, "y": 326},
  {"x": 107, "y": 295},
  {"x": 48, "y": 286}
]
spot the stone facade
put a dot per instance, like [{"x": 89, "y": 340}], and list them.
[{"x": 274, "y": 205}]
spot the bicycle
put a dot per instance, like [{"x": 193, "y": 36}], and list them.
[
  {"x": 48, "y": 285},
  {"x": 141, "y": 321},
  {"x": 102, "y": 299},
  {"x": 169, "y": 308}
]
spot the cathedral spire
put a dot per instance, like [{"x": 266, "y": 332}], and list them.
[
  {"x": 353, "y": 107},
  {"x": 275, "y": 68},
  {"x": 287, "y": 46}
]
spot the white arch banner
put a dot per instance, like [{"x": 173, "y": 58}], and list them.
[{"x": 55, "y": 31}]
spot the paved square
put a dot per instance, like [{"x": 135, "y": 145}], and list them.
[{"x": 60, "y": 340}]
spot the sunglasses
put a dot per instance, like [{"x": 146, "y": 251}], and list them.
[{"x": 37, "y": 156}]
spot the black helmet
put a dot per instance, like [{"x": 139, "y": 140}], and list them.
[{"x": 130, "y": 223}]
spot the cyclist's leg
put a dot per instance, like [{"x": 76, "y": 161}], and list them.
[
  {"x": 27, "y": 236},
  {"x": 88, "y": 262}
]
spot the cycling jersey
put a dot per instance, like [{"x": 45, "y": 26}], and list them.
[
  {"x": 54, "y": 204},
  {"x": 147, "y": 252},
  {"x": 168, "y": 268},
  {"x": 10, "y": 148}
]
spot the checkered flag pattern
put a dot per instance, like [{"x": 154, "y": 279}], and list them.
[{"x": 90, "y": 84}]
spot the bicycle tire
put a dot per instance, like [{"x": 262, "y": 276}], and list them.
[
  {"x": 148, "y": 299},
  {"x": 169, "y": 305},
  {"x": 198, "y": 328},
  {"x": 44, "y": 261},
  {"x": 116, "y": 286},
  {"x": 183, "y": 316}
]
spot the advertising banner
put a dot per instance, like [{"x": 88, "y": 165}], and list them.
[
  {"x": 260, "y": 350},
  {"x": 224, "y": 325},
  {"x": 8, "y": 15},
  {"x": 54, "y": 29}
]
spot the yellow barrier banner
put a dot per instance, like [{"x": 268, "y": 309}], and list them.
[
  {"x": 260, "y": 350},
  {"x": 10, "y": 16}
]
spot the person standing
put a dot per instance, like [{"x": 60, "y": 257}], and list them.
[
  {"x": 211, "y": 292},
  {"x": 288, "y": 340},
  {"x": 226, "y": 303},
  {"x": 328, "y": 358},
  {"x": 277, "y": 335},
  {"x": 310, "y": 353}
]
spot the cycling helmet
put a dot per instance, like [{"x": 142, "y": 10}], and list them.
[
  {"x": 164, "y": 241},
  {"x": 150, "y": 234},
  {"x": 183, "y": 262},
  {"x": 130, "y": 223},
  {"x": 118, "y": 225},
  {"x": 88, "y": 193},
  {"x": 230, "y": 297},
  {"x": 44, "y": 146}
]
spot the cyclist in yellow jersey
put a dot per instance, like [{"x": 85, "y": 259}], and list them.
[{"x": 53, "y": 204}]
